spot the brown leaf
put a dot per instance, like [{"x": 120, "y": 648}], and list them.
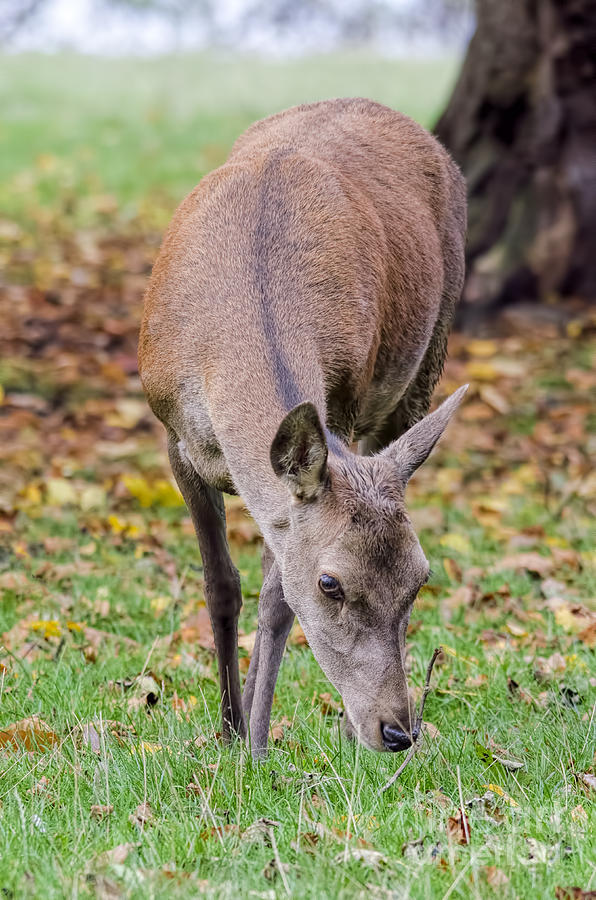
[
  {"x": 494, "y": 876},
  {"x": 247, "y": 641},
  {"x": 545, "y": 669},
  {"x": 297, "y": 637},
  {"x": 196, "y": 629},
  {"x": 452, "y": 568},
  {"x": 372, "y": 858},
  {"x": 526, "y": 562},
  {"x": 219, "y": 831},
  {"x": 143, "y": 815},
  {"x": 306, "y": 842},
  {"x": 278, "y": 729},
  {"x": 588, "y": 636},
  {"x": 589, "y": 780},
  {"x": 458, "y": 828},
  {"x": 114, "y": 857},
  {"x": 328, "y": 704},
  {"x": 574, "y": 893},
  {"x": 41, "y": 788},
  {"x": 14, "y": 581},
  {"x": 100, "y": 812},
  {"x": 259, "y": 831},
  {"x": 32, "y": 734}
]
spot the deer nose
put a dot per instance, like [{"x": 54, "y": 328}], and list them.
[{"x": 395, "y": 739}]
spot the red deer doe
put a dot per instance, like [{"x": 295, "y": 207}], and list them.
[{"x": 301, "y": 302}]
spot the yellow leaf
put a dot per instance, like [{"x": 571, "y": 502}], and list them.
[
  {"x": 481, "y": 348},
  {"x": 456, "y": 542},
  {"x": 158, "y": 604},
  {"x": 574, "y": 328},
  {"x": 139, "y": 488},
  {"x": 60, "y": 492},
  {"x": 448, "y": 480},
  {"x": 93, "y": 497},
  {"x": 500, "y": 793},
  {"x": 117, "y": 525},
  {"x": 48, "y": 627},
  {"x": 481, "y": 371},
  {"x": 451, "y": 651},
  {"x": 147, "y": 746},
  {"x": 162, "y": 492},
  {"x": 32, "y": 494},
  {"x": 574, "y": 618}
]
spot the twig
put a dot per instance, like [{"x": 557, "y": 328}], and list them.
[
  {"x": 418, "y": 724},
  {"x": 279, "y": 864},
  {"x": 464, "y": 819}
]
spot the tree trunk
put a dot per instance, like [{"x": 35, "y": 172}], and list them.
[{"x": 521, "y": 123}]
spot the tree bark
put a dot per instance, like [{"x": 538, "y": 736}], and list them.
[{"x": 521, "y": 123}]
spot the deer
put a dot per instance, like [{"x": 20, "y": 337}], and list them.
[{"x": 294, "y": 329}]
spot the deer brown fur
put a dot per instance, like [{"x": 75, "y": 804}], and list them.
[{"x": 301, "y": 302}]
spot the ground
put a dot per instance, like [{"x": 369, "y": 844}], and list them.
[{"x": 113, "y": 779}]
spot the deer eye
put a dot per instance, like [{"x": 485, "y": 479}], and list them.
[{"x": 330, "y": 586}]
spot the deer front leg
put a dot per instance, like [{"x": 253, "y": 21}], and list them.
[
  {"x": 222, "y": 582},
  {"x": 275, "y": 621}
]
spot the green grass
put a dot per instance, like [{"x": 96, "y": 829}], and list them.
[
  {"x": 50, "y": 844},
  {"x": 152, "y": 128}
]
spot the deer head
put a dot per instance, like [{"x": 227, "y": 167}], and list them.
[{"x": 352, "y": 564}]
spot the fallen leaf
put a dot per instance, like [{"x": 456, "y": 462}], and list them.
[
  {"x": 589, "y": 780},
  {"x": 247, "y": 641},
  {"x": 328, "y": 704},
  {"x": 259, "y": 831},
  {"x": 116, "y": 856},
  {"x": 545, "y": 669},
  {"x": 32, "y": 734},
  {"x": 526, "y": 562},
  {"x": 297, "y": 637},
  {"x": 495, "y": 789},
  {"x": 458, "y": 828},
  {"x": 306, "y": 842},
  {"x": 575, "y": 618},
  {"x": 372, "y": 858},
  {"x": 91, "y": 737},
  {"x": 60, "y": 492},
  {"x": 452, "y": 569},
  {"x": 196, "y": 629},
  {"x": 101, "y": 812},
  {"x": 143, "y": 815},
  {"x": 455, "y": 541},
  {"x": 578, "y": 814},
  {"x": 574, "y": 893},
  {"x": 278, "y": 729},
  {"x": 494, "y": 876},
  {"x": 482, "y": 347},
  {"x": 272, "y": 870},
  {"x": 41, "y": 789}
]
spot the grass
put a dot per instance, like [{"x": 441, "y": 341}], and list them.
[
  {"x": 50, "y": 845},
  {"x": 152, "y": 128}
]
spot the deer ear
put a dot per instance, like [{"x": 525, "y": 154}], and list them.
[
  {"x": 299, "y": 453},
  {"x": 411, "y": 449}
]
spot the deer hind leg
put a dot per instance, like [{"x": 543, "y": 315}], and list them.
[
  {"x": 222, "y": 581},
  {"x": 275, "y": 621}
]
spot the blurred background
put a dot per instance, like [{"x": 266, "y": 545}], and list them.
[{"x": 112, "y": 110}]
